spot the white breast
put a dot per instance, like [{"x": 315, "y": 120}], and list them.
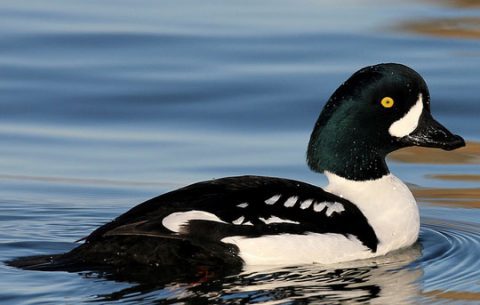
[{"x": 388, "y": 205}]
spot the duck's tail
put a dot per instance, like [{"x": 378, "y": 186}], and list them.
[{"x": 55, "y": 262}]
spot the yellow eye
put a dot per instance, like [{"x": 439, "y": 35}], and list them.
[{"x": 387, "y": 102}]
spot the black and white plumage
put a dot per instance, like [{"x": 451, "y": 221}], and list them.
[
  {"x": 249, "y": 206},
  {"x": 364, "y": 211}
]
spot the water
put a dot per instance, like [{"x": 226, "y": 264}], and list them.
[{"x": 104, "y": 104}]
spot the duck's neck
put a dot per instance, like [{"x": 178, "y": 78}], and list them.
[
  {"x": 359, "y": 159},
  {"x": 352, "y": 164},
  {"x": 388, "y": 205},
  {"x": 360, "y": 168}
]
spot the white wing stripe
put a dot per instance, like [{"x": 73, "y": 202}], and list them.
[
  {"x": 319, "y": 206},
  {"x": 272, "y": 199},
  {"x": 334, "y": 208},
  {"x": 275, "y": 219},
  {"x": 243, "y": 205},
  {"x": 176, "y": 220},
  {"x": 306, "y": 204},
  {"x": 290, "y": 201},
  {"x": 239, "y": 220}
]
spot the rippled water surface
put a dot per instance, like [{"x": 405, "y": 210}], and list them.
[{"x": 104, "y": 104}]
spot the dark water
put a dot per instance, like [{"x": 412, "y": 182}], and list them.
[{"x": 104, "y": 104}]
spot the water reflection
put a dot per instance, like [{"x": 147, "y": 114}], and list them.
[
  {"x": 462, "y": 27},
  {"x": 460, "y": 3},
  {"x": 453, "y": 296},
  {"x": 470, "y": 154},
  {"x": 457, "y": 197},
  {"x": 377, "y": 280}
]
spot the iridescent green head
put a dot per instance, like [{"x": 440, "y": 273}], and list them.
[{"x": 379, "y": 109}]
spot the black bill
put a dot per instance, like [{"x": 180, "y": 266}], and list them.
[{"x": 430, "y": 133}]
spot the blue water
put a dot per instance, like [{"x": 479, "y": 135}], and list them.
[{"x": 104, "y": 104}]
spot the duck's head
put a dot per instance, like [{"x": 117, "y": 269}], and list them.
[{"x": 379, "y": 109}]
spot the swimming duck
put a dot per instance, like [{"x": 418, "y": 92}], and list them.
[{"x": 365, "y": 211}]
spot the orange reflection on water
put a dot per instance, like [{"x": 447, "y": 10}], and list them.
[
  {"x": 470, "y": 154},
  {"x": 453, "y": 295},
  {"x": 458, "y": 197},
  {"x": 461, "y": 27},
  {"x": 460, "y": 3}
]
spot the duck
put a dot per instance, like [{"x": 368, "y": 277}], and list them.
[{"x": 364, "y": 211}]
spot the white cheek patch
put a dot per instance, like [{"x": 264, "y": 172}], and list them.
[
  {"x": 176, "y": 220},
  {"x": 409, "y": 121}
]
